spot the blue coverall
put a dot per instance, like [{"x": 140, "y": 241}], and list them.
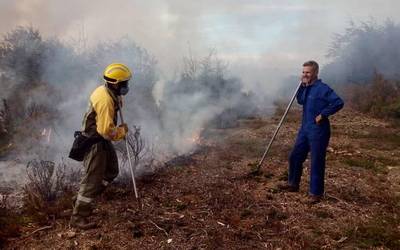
[{"x": 317, "y": 98}]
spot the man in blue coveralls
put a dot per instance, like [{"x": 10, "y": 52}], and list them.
[{"x": 319, "y": 102}]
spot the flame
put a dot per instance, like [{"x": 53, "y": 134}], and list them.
[{"x": 195, "y": 138}]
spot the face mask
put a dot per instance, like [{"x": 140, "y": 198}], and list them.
[{"x": 123, "y": 88}]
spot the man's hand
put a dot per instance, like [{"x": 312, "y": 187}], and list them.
[
  {"x": 318, "y": 119},
  {"x": 303, "y": 81}
]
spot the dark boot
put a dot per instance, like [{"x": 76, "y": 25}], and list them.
[
  {"x": 314, "y": 199},
  {"x": 288, "y": 188},
  {"x": 81, "y": 223},
  {"x": 82, "y": 209}
]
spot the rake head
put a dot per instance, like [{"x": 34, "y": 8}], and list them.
[{"x": 255, "y": 169}]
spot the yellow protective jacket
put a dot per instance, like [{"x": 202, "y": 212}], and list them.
[{"x": 101, "y": 116}]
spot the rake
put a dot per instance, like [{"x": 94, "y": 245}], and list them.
[{"x": 256, "y": 170}]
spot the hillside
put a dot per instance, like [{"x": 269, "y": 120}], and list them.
[{"x": 208, "y": 201}]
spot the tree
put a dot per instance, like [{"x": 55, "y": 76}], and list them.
[{"x": 362, "y": 50}]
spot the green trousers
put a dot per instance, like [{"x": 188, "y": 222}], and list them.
[{"x": 101, "y": 168}]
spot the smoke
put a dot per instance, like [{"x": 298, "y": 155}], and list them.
[
  {"x": 76, "y": 77},
  {"x": 46, "y": 86},
  {"x": 12, "y": 174},
  {"x": 192, "y": 102},
  {"x": 363, "y": 50},
  {"x": 51, "y": 88},
  {"x": 263, "y": 41}
]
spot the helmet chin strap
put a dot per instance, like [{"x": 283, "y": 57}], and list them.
[{"x": 113, "y": 89}]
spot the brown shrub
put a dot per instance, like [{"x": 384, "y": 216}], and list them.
[
  {"x": 380, "y": 98},
  {"x": 49, "y": 190},
  {"x": 9, "y": 226},
  {"x": 5, "y": 126},
  {"x": 141, "y": 156}
]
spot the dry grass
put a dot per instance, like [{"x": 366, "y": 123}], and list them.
[
  {"x": 380, "y": 231},
  {"x": 211, "y": 202}
]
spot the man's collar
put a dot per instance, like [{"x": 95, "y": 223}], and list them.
[{"x": 314, "y": 82}]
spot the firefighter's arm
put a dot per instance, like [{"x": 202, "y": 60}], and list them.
[{"x": 104, "y": 108}]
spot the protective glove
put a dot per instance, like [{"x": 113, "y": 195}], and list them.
[{"x": 125, "y": 127}]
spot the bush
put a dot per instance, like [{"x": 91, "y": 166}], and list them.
[
  {"x": 137, "y": 154},
  {"x": 5, "y": 128},
  {"x": 365, "y": 62},
  {"x": 49, "y": 189},
  {"x": 380, "y": 98},
  {"x": 362, "y": 49},
  {"x": 9, "y": 225}
]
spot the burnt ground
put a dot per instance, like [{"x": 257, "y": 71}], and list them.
[{"x": 208, "y": 201}]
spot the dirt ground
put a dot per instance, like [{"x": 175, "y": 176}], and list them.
[{"x": 208, "y": 200}]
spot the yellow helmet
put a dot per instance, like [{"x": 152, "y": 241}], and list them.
[{"x": 117, "y": 72}]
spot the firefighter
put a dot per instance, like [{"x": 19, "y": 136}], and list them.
[
  {"x": 100, "y": 124},
  {"x": 319, "y": 102}
]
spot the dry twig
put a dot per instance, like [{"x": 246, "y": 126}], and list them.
[
  {"x": 37, "y": 230},
  {"x": 160, "y": 228}
]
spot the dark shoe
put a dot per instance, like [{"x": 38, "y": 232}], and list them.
[
  {"x": 314, "y": 199},
  {"x": 66, "y": 213},
  {"x": 288, "y": 188},
  {"x": 83, "y": 209},
  {"x": 81, "y": 223}
]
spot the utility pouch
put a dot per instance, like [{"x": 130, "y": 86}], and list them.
[{"x": 82, "y": 145}]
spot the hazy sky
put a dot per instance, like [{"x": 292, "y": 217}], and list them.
[{"x": 260, "y": 39}]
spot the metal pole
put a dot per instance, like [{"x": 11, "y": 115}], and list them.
[
  {"x": 277, "y": 129},
  {"x": 129, "y": 158}
]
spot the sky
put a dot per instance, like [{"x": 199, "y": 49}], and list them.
[{"x": 261, "y": 41}]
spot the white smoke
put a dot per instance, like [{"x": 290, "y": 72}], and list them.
[{"x": 363, "y": 50}]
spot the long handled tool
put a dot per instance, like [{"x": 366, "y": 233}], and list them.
[
  {"x": 129, "y": 158},
  {"x": 257, "y": 169}
]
